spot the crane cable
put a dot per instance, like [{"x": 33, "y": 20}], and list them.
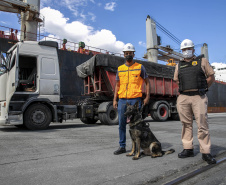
[{"x": 167, "y": 32}]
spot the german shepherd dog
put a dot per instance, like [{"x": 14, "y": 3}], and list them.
[{"x": 141, "y": 135}]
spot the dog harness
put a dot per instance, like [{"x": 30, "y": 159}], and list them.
[{"x": 141, "y": 126}]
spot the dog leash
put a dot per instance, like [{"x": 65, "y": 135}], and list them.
[{"x": 142, "y": 108}]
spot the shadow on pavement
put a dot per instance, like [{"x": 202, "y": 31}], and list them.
[{"x": 51, "y": 128}]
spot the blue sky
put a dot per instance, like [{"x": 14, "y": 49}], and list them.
[{"x": 110, "y": 24}]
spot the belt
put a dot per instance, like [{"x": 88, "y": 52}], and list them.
[{"x": 191, "y": 93}]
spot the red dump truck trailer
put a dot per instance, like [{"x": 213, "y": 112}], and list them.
[{"x": 99, "y": 75}]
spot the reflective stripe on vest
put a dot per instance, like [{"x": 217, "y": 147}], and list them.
[{"x": 130, "y": 81}]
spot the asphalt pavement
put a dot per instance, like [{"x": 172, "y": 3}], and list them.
[{"x": 76, "y": 153}]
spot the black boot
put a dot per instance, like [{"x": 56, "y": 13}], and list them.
[
  {"x": 120, "y": 151},
  {"x": 186, "y": 153},
  {"x": 209, "y": 158}
]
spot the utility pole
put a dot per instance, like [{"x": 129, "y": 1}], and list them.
[
  {"x": 204, "y": 50},
  {"x": 151, "y": 39}
]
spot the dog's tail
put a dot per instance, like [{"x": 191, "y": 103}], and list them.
[{"x": 168, "y": 152}]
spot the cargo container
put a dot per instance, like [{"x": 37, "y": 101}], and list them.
[{"x": 99, "y": 74}]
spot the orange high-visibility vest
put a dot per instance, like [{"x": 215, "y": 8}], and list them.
[{"x": 130, "y": 81}]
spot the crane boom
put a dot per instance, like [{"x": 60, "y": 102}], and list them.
[
  {"x": 29, "y": 15},
  {"x": 15, "y": 6}
]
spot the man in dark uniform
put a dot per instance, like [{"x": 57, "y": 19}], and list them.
[{"x": 194, "y": 75}]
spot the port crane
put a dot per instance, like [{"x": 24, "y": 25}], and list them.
[
  {"x": 157, "y": 52},
  {"x": 28, "y": 12}
]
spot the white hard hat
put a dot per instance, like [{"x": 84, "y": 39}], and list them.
[
  {"x": 186, "y": 44},
  {"x": 129, "y": 47}
]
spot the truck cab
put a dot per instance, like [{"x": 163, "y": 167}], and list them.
[{"x": 29, "y": 82}]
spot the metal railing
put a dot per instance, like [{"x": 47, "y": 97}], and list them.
[
  {"x": 69, "y": 46},
  {"x": 220, "y": 81}
]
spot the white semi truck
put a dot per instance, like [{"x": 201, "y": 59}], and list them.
[{"x": 31, "y": 84}]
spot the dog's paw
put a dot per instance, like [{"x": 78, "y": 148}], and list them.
[
  {"x": 129, "y": 155},
  {"x": 135, "y": 158}
]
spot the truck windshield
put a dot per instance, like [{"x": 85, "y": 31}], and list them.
[
  {"x": 3, "y": 58},
  {"x": 3, "y": 63},
  {"x": 9, "y": 53},
  {"x": 8, "y": 59}
]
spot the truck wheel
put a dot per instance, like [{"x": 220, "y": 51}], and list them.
[
  {"x": 153, "y": 116},
  {"x": 88, "y": 120},
  {"x": 110, "y": 117},
  {"x": 162, "y": 112},
  {"x": 37, "y": 117},
  {"x": 100, "y": 116}
]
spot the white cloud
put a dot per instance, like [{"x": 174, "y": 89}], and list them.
[
  {"x": 3, "y": 22},
  {"x": 89, "y": 15},
  {"x": 105, "y": 39},
  {"x": 141, "y": 43},
  {"x": 76, "y": 6},
  {"x": 53, "y": 16},
  {"x": 76, "y": 2},
  {"x": 59, "y": 26},
  {"x": 93, "y": 16},
  {"x": 44, "y": 3},
  {"x": 110, "y": 6},
  {"x": 82, "y": 15}
]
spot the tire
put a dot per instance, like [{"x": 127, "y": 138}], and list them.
[
  {"x": 88, "y": 120},
  {"x": 37, "y": 117},
  {"x": 162, "y": 112},
  {"x": 100, "y": 116},
  {"x": 153, "y": 116},
  {"x": 110, "y": 117}
]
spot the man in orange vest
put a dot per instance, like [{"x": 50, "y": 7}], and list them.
[{"x": 128, "y": 89}]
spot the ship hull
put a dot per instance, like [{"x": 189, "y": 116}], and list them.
[{"x": 216, "y": 97}]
